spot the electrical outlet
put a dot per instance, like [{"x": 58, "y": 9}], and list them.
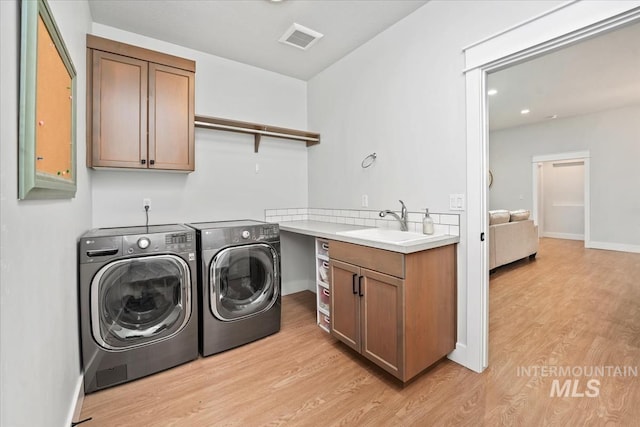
[
  {"x": 365, "y": 201},
  {"x": 145, "y": 203}
]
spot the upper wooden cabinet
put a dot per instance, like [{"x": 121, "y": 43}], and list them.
[{"x": 140, "y": 108}]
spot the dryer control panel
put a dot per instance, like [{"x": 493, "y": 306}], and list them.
[
  {"x": 270, "y": 231},
  {"x": 216, "y": 238},
  {"x": 255, "y": 233}
]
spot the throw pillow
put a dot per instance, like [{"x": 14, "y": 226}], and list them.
[
  {"x": 500, "y": 216},
  {"x": 519, "y": 215}
]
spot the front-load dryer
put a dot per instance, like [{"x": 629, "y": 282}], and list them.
[
  {"x": 239, "y": 282},
  {"x": 138, "y": 311}
]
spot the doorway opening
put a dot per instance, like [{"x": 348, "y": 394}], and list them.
[
  {"x": 561, "y": 196},
  {"x": 564, "y": 25}
]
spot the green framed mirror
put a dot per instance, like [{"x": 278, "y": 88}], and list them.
[{"x": 47, "y": 128}]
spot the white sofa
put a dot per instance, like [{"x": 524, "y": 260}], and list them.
[{"x": 511, "y": 240}]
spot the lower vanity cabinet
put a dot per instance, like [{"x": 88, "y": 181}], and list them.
[
  {"x": 367, "y": 313},
  {"x": 397, "y": 310}
]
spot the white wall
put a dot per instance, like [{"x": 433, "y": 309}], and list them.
[
  {"x": 298, "y": 262},
  {"x": 611, "y": 137},
  {"x": 39, "y": 346},
  {"x": 562, "y": 200},
  {"x": 225, "y": 184},
  {"x": 402, "y": 95}
]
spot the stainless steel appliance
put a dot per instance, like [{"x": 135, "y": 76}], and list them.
[
  {"x": 239, "y": 282},
  {"x": 138, "y": 294}
]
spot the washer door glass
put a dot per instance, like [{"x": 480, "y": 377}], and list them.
[
  {"x": 244, "y": 281},
  {"x": 140, "y": 300}
]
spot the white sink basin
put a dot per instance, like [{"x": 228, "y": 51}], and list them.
[{"x": 385, "y": 235}]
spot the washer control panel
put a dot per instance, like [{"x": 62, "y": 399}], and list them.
[
  {"x": 146, "y": 243},
  {"x": 180, "y": 242}
]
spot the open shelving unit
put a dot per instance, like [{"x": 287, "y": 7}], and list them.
[
  {"x": 323, "y": 296},
  {"x": 257, "y": 130}
]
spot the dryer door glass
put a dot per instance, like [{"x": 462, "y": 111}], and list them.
[
  {"x": 244, "y": 281},
  {"x": 140, "y": 300}
]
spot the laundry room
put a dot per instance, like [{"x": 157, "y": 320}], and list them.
[{"x": 152, "y": 294}]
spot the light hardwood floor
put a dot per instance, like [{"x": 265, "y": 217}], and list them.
[{"x": 572, "y": 307}]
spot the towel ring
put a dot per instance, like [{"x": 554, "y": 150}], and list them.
[{"x": 368, "y": 161}]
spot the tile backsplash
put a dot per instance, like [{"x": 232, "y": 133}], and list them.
[{"x": 444, "y": 223}]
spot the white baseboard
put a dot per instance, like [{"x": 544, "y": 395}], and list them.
[
  {"x": 620, "y": 247},
  {"x": 567, "y": 236},
  {"x": 76, "y": 403}
]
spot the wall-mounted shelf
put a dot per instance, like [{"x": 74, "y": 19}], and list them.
[{"x": 257, "y": 130}]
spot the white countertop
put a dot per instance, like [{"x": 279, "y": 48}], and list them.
[{"x": 328, "y": 230}]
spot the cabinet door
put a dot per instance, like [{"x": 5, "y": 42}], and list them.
[
  {"x": 119, "y": 116},
  {"x": 382, "y": 320},
  {"x": 171, "y": 118},
  {"x": 345, "y": 303}
]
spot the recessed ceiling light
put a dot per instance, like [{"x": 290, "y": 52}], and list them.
[
  {"x": 525, "y": 111},
  {"x": 492, "y": 92},
  {"x": 555, "y": 116}
]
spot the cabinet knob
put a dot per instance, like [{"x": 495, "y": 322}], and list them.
[
  {"x": 143, "y": 161},
  {"x": 152, "y": 162}
]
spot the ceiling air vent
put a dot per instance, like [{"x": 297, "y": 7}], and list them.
[{"x": 300, "y": 36}]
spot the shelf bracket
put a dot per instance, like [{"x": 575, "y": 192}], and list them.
[{"x": 256, "y": 142}]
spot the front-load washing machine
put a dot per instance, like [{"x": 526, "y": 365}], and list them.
[
  {"x": 138, "y": 311},
  {"x": 239, "y": 282}
]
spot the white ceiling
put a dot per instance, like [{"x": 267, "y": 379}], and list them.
[
  {"x": 595, "y": 75},
  {"x": 247, "y": 31}
]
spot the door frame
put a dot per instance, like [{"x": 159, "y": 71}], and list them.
[
  {"x": 583, "y": 156},
  {"x": 565, "y": 24}
]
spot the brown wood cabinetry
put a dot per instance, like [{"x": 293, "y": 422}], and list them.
[
  {"x": 396, "y": 310},
  {"x": 140, "y": 108}
]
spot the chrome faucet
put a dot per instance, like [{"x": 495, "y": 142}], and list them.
[{"x": 402, "y": 218}]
